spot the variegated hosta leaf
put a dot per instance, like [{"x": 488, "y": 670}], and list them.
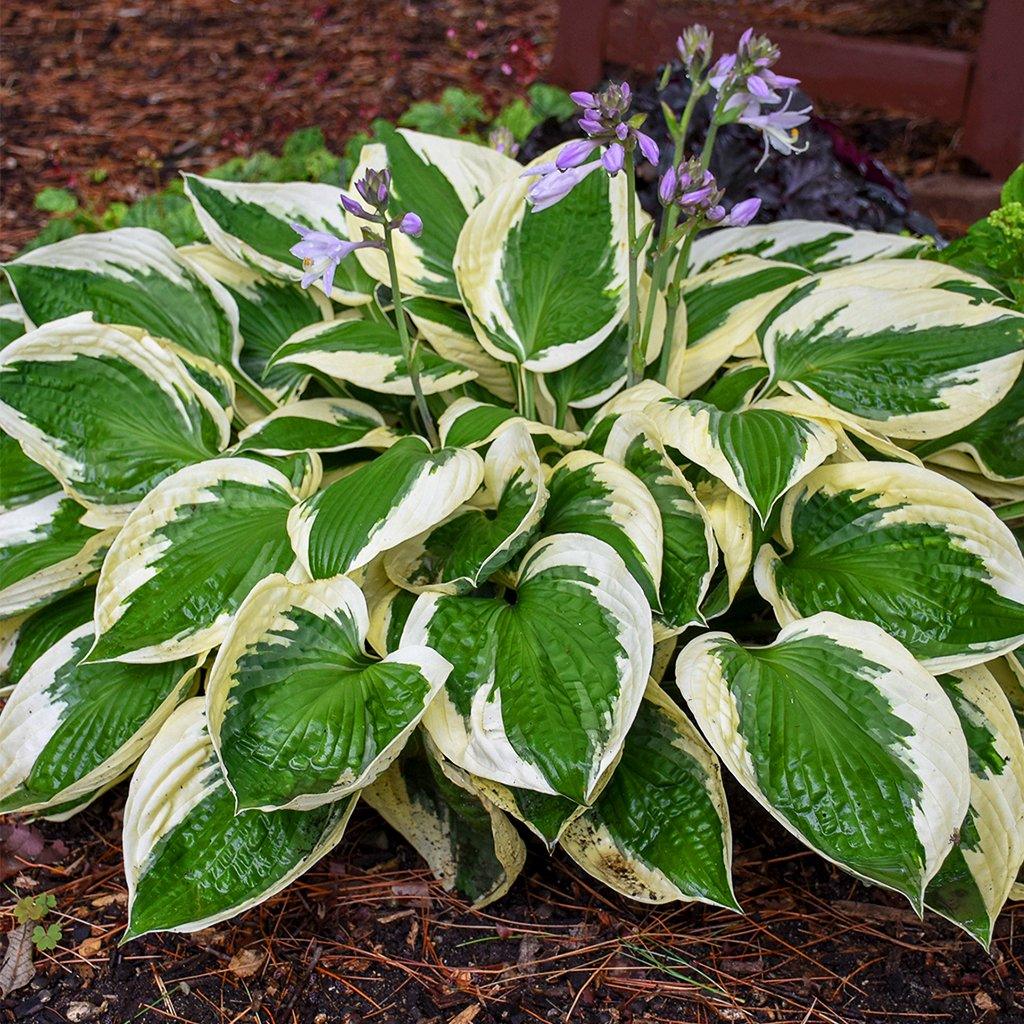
[
  {"x": 995, "y": 440},
  {"x": 22, "y": 481},
  {"x": 191, "y": 860},
  {"x": 188, "y": 556},
  {"x": 592, "y": 380},
  {"x": 977, "y": 875},
  {"x": 1009, "y": 674},
  {"x": 68, "y": 729},
  {"x": 758, "y": 453},
  {"x": 546, "y": 815},
  {"x": 403, "y": 492},
  {"x": 842, "y": 737},
  {"x": 442, "y": 179},
  {"x": 317, "y": 424},
  {"x": 735, "y": 529},
  {"x": 896, "y": 275},
  {"x": 467, "y": 842},
  {"x": 25, "y": 638},
  {"x": 298, "y": 713},
  {"x": 736, "y": 387},
  {"x": 251, "y": 223},
  {"x": 913, "y": 364},
  {"x": 660, "y": 829},
  {"x": 467, "y": 423},
  {"x": 368, "y": 355},
  {"x": 46, "y": 551},
  {"x": 450, "y": 334},
  {"x": 544, "y": 689},
  {"x": 544, "y": 289},
  {"x": 902, "y": 547},
  {"x": 129, "y": 276},
  {"x": 270, "y": 311},
  {"x": 689, "y": 552},
  {"x": 12, "y": 323},
  {"x": 815, "y": 245},
  {"x": 725, "y": 306},
  {"x": 594, "y": 495},
  {"x": 110, "y": 414},
  {"x": 478, "y": 539}
]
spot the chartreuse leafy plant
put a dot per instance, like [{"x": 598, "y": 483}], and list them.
[{"x": 467, "y": 493}]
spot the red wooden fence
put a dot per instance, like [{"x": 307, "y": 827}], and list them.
[{"x": 982, "y": 91}]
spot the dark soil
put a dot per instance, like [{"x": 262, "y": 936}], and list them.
[{"x": 368, "y": 936}]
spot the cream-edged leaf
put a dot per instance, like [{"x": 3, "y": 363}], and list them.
[
  {"x": 69, "y": 729},
  {"x": 136, "y": 417},
  {"x": 369, "y": 355},
  {"x": 815, "y": 245},
  {"x": 46, "y": 551},
  {"x": 441, "y": 179},
  {"x": 977, "y": 875},
  {"x": 190, "y": 859},
  {"x": 251, "y": 222},
  {"x": 689, "y": 551},
  {"x": 401, "y": 493},
  {"x": 659, "y": 831},
  {"x": 591, "y": 494},
  {"x": 903, "y": 547},
  {"x": 546, "y": 679},
  {"x": 842, "y": 737},
  {"x": 317, "y": 424},
  {"x": 188, "y": 556},
  {"x": 478, "y": 539},
  {"x": 911, "y": 364},
  {"x": 758, "y": 453},
  {"x": 299, "y": 714},
  {"x": 129, "y": 276},
  {"x": 545, "y": 288},
  {"x": 468, "y": 423}
]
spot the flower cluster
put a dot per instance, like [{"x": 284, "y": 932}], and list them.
[
  {"x": 321, "y": 252},
  {"x": 746, "y": 83},
  {"x": 608, "y": 129},
  {"x": 697, "y": 195}
]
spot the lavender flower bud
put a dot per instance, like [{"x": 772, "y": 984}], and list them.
[{"x": 411, "y": 224}]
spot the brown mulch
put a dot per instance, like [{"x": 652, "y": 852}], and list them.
[{"x": 368, "y": 936}]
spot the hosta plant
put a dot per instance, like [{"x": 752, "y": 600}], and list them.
[{"x": 468, "y": 495}]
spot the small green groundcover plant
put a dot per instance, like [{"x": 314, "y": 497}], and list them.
[{"x": 467, "y": 494}]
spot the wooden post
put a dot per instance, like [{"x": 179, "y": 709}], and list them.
[
  {"x": 579, "y": 46},
  {"x": 994, "y": 121}
]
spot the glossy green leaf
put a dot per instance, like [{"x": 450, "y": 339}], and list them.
[
  {"x": 548, "y": 676},
  {"x": 136, "y": 417},
  {"x": 401, "y": 493},
  {"x": 188, "y": 556},
  {"x": 838, "y": 732},
  {"x": 298, "y": 713},
  {"x": 903, "y": 547},
  {"x": 190, "y": 859},
  {"x": 129, "y": 276}
]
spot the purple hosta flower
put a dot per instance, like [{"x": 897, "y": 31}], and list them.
[
  {"x": 357, "y": 209},
  {"x": 738, "y": 217},
  {"x": 411, "y": 224},
  {"x": 375, "y": 186},
  {"x": 501, "y": 140},
  {"x": 605, "y": 123},
  {"x": 555, "y": 184},
  {"x": 321, "y": 252},
  {"x": 693, "y": 190},
  {"x": 778, "y": 128},
  {"x": 695, "y": 46}
]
